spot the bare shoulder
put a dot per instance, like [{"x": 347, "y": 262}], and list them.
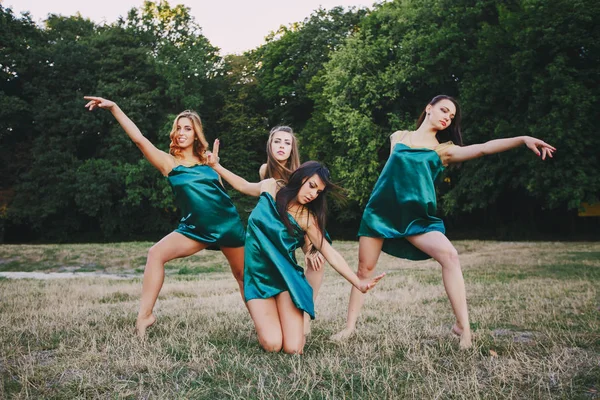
[
  {"x": 303, "y": 217},
  {"x": 262, "y": 171},
  {"x": 270, "y": 186},
  {"x": 398, "y": 135},
  {"x": 446, "y": 151}
]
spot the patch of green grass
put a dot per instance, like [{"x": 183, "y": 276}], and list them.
[
  {"x": 91, "y": 268},
  {"x": 117, "y": 297},
  {"x": 200, "y": 270},
  {"x": 11, "y": 384},
  {"x": 570, "y": 271},
  {"x": 25, "y": 266}
]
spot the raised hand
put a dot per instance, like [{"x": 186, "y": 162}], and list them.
[
  {"x": 213, "y": 157},
  {"x": 98, "y": 102},
  {"x": 366, "y": 286},
  {"x": 534, "y": 144}
]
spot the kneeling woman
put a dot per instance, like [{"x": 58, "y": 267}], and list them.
[{"x": 275, "y": 288}]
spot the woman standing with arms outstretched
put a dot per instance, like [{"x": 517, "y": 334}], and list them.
[
  {"x": 399, "y": 218},
  {"x": 276, "y": 290},
  {"x": 208, "y": 214}
]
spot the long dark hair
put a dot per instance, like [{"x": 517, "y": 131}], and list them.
[
  {"x": 453, "y": 131},
  {"x": 288, "y": 193}
]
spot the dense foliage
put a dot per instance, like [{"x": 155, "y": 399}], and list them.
[{"x": 343, "y": 78}]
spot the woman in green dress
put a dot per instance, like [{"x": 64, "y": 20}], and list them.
[
  {"x": 208, "y": 214},
  {"x": 283, "y": 158},
  {"x": 399, "y": 218},
  {"x": 275, "y": 287}
]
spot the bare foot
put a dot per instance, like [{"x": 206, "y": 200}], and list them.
[
  {"x": 464, "y": 335},
  {"x": 142, "y": 324},
  {"x": 342, "y": 335}
]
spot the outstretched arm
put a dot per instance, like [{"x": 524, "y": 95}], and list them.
[
  {"x": 336, "y": 260},
  {"x": 459, "y": 154},
  {"x": 238, "y": 183},
  {"x": 161, "y": 160}
]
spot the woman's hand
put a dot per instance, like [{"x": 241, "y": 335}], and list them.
[
  {"x": 212, "y": 159},
  {"x": 534, "y": 144},
  {"x": 314, "y": 260},
  {"x": 98, "y": 102},
  {"x": 367, "y": 285}
]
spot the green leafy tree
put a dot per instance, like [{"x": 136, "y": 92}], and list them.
[{"x": 520, "y": 67}]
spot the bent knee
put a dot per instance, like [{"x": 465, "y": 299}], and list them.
[
  {"x": 271, "y": 344},
  {"x": 365, "y": 270},
  {"x": 448, "y": 255},
  {"x": 155, "y": 254},
  {"x": 293, "y": 349},
  {"x": 238, "y": 275}
]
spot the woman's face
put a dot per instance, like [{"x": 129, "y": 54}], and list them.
[
  {"x": 184, "y": 135},
  {"x": 441, "y": 113},
  {"x": 281, "y": 146},
  {"x": 310, "y": 189}
]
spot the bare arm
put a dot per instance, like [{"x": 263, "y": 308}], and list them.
[
  {"x": 158, "y": 158},
  {"x": 459, "y": 154},
  {"x": 337, "y": 261},
  {"x": 312, "y": 259},
  {"x": 238, "y": 183}
]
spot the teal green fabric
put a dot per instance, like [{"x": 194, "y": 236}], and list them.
[
  {"x": 208, "y": 214},
  {"x": 270, "y": 265},
  {"x": 403, "y": 202}
]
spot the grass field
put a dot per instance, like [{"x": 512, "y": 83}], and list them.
[{"x": 534, "y": 307}]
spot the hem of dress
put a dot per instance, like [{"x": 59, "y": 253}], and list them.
[
  {"x": 312, "y": 316},
  {"x": 214, "y": 243}
]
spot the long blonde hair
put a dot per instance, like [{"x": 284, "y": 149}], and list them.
[
  {"x": 200, "y": 144},
  {"x": 276, "y": 170}
]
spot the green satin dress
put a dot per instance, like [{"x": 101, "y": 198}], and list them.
[
  {"x": 403, "y": 202},
  {"x": 208, "y": 214},
  {"x": 270, "y": 265}
]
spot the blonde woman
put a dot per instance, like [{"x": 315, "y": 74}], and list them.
[{"x": 208, "y": 214}]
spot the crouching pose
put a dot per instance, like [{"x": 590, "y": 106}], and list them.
[{"x": 275, "y": 287}]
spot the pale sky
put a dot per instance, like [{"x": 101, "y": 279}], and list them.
[{"x": 232, "y": 25}]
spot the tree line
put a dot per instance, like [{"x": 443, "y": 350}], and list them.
[{"x": 344, "y": 79}]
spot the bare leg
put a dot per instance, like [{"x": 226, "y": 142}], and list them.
[
  {"x": 437, "y": 245},
  {"x": 292, "y": 324},
  {"x": 315, "y": 279},
  {"x": 235, "y": 256},
  {"x": 174, "y": 245},
  {"x": 369, "y": 250},
  {"x": 266, "y": 322}
]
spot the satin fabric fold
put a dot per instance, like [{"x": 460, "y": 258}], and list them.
[
  {"x": 270, "y": 265},
  {"x": 403, "y": 202},
  {"x": 208, "y": 214}
]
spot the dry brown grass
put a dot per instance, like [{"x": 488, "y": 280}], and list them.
[{"x": 534, "y": 308}]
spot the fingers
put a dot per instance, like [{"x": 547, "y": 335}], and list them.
[
  {"x": 374, "y": 282},
  {"x": 215, "y": 150}
]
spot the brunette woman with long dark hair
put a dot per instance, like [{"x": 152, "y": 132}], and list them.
[
  {"x": 275, "y": 288},
  {"x": 399, "y": 218}
]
